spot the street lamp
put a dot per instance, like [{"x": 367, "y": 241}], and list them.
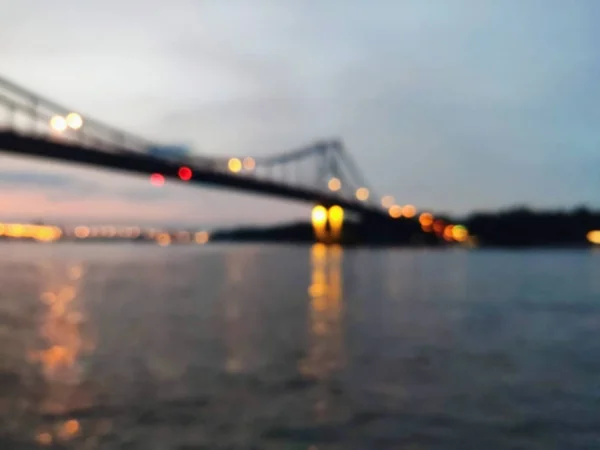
[
  {"x": 74, "y": 121},
  {"x": 58, "y": 124}
]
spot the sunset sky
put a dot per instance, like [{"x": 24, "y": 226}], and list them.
[{"x": 452, "y": 105}]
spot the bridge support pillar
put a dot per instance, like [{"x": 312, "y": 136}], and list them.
[{"x": 328, "y": 223}]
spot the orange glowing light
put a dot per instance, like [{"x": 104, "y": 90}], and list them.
[
  {"x": 409, "y": 211},
  {"x": 426, "y": 219},
  {"x": 44, "y": 438},
  {"x": 334, "y": 184},
  {"x": 395, "y": 211},
  {"x": 157, "y": 179},
  {"x": 163, "y": 239},
  {"x": 249, "y": 163},
  {"x": 185, "y": 173},
  {"x": 71, "y": 427},
  {"x": 594, "y": 237},
  {"x": 448, "y": 232},
  {"x": 201, "y": 237},
  {"x": 362, "y": 194},
  {"x": 438, "y": 226}
]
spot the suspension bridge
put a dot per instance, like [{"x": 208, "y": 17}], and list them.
[{"x": 322, "y": 173}]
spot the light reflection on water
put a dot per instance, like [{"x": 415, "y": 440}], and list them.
[{"x": 313, "y": 348}]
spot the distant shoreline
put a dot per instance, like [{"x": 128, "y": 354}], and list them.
[{"x": 518, "y": 229}]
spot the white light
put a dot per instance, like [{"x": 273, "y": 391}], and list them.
[
  {"x": 74, "y": 121},
  {"x": 58, "y": 123}
]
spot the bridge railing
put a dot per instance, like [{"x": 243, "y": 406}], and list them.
[{"x": 27, "y": 113}]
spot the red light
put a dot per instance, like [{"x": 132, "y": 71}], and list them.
[
  {"x": 157, "y": 179},
  {"x": 185, "y": 173}
]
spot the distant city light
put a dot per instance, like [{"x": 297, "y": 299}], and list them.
[
  {"x": 74, "y": 121},
  {"x": 594, "y": 237},
  {"x": 234, "y": 165},
  {"x": 448, "y": 235},
  {"x": 201, "y": 237},
  {"x": 362, "y": 194},
  {"x": 185, "y": 173},
  {"x": 460, "y": 233},
  {"x": 157, "y": 179},
  {"x": 334, "y": 184},
  {"x": 58, "y": 124},
  {"x": 82, "y": 232},
  {"x": 163, "y": 239}
]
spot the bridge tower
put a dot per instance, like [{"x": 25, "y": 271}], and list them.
[{"x": 328, "y": 169}]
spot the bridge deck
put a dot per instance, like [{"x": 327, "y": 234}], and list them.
[{"x": 140, "y": 163}]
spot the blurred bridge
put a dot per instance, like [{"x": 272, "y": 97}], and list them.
[{"x": 322, "y": 174}]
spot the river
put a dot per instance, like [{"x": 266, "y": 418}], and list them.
[{"x": 315, "y": 348}]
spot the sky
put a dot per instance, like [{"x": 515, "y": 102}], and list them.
[{"x": 450, "y": 105}]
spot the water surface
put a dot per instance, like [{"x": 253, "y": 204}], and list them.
[{"x": 247, "y": 347}]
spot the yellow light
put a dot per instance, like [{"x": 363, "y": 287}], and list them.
[
  {"x": 334, "y": 184},
  {"x": 74, "y": 121},
  {"x": 426, "y": 219},
  {"x": 335, "y": 215},
  {"x": 201, "y": 237},
  {"x": 395, "y": 211},
  {"x": 2, "y": 228},
  {"x": 58, "y": 123},
  {"x": 409, "y": 211},
  {"x": 362, "y": 194},
  {"x": 46, "y": 234},
  {"x": 319, "y": 215},
  {"x": 387, "y": 201},
  {"x": 15, "y": 230},
  {"x": 319, "y": 221},
  {"x": 460, "y": 233},
  {"x": 234, "y": 165},
  {"x": 594, "y": 237},
  {"x": 249, "y": 163}
]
